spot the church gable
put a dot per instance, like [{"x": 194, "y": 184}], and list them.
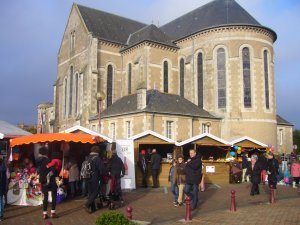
[{"x": 75, "y": 36}]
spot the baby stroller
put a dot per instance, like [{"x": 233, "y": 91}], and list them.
[
  {"x": 236, "y": 173},
  {"x": 114, "y": 198}
]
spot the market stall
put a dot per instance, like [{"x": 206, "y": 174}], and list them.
[
  {"x": 214, "y": 153},
  {"x": 165, "y": 147},
  {"x": 24, "y": 186}
]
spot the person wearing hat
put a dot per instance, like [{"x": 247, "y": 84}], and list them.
[
  {"x": 254, "y": 171},
  {"x": 272, "y": 169},
  {"x": 180, "y": 178},
  {"x": 97, "y": 169},
  {"x": 3, "y": 180},
  {"x": 43, "y": 171},
  {"x": 142, "y": 163}
]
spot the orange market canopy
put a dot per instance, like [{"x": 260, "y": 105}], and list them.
[{"x": 66, "y": 137}]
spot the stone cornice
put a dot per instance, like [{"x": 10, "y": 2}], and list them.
[{"x": 150, "y": 44}]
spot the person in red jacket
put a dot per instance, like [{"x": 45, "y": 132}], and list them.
[{"x": 54, "y": 165}]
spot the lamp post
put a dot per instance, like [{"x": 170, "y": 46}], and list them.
[{"x": 100, "y": 96}]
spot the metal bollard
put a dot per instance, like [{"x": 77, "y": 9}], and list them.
[
  {"x": 272, "y": 197},
  {"x": 129, "y": 212},
  {"x": 188, "y": 215},
  {"x": 232, "y": 205}
]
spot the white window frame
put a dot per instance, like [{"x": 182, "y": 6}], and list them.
[
  {"x": 280, "y": 136},
  {"x": 128, "y": 129},
  {"x": 169, "y": 130},
  {"x": 113, "y": 131}
]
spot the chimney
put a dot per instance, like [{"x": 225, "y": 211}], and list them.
[{"x": 141, "y": 96}]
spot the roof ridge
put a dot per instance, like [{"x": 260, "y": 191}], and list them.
[{"x": 110, "y": 13}]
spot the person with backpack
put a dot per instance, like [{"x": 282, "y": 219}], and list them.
[{"x": 91, "y": 171}]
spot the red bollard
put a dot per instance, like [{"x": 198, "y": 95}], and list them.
[
  {"x": 188, "y": 215},
  {"x": 129, "y": 212},
  {"x": 272, "y": 197},
  {"x": 232, "y": 205}
]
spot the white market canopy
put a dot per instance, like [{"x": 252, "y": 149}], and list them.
[
  {"x": 246, "y": 139},
  {"x": 150, "y": 132},
  {"x": 79, "y": 128},
  {"x": 202, "y": 136},
  {"x": 8, "y": 130}
]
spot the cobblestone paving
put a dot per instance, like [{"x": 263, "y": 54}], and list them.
[{"x": 155, "y": 206}]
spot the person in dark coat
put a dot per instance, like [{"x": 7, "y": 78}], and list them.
[
  {"x": 3, "y": 180},
  {"x": 92, "y": 183},
  {"x": 254, "y": 171},
  {"x": 263, "y": 165},
  {"x": 272, "y": 169},
  {"x": 43, "y": 170},
  {"x": 143, "y": 165},
  {"x": 193, "y": 171},
  {"x": 116, "y": 170},
  {"x": 155, "y": 167}
]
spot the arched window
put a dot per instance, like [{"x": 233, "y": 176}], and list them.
[
  {"x": 71, "y": 90},
  {"x": 166, "y": 77},
  {"x": 221, "y": 67},
  {"x": 200, "y": 79},
  {"x": 65, "y": 96},
  {"x": 182, "y": 77},
  {"x": 266, "y": 66},
  {"x": 129, "y": 78},
  {"x": 76, "y": 92},
  {"x": 109, "y": 84},
  {"x": 246, "y": 77}
]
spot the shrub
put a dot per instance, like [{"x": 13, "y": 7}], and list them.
[{"x": 113, "y": 218}]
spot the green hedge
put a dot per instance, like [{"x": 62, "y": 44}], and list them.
[{"x": 113, "y": 218}]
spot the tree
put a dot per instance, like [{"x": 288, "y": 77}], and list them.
[{"x": 296, "y": 139}]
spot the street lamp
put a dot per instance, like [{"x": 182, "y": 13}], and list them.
[{"x": 100, "y": 96}]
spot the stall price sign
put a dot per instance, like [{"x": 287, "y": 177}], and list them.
[
  {"x": 210, "y": 169},
  {"x": 3, "y": 148}
]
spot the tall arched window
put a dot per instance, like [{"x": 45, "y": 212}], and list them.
[
  {"x": 129, "y": 78},
  {"x": 71, "y": 90},
  {"x": 221, "y": 67},
  {"x": 246, "y": 77},
  {"x": 109, "y": 84},
  {"x": 181, "y": 77},
  {"x": 266, "y": 66},
  {"x": 76, "y": 92},
  {"x": 166, "y": 77},
  {"x": 200, "y": 79},
  {"x": 65, "y": 96}
]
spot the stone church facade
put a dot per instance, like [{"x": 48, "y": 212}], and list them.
[{"x": 210, "y": 70}]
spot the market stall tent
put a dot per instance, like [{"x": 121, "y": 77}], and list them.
[
  {"x": 247, "y": 142},
  {"x": 216, "y": 170},
  {"x": 8, "y": 130},
  {"x": 151, "y": 139},
  {"x": 66, "y": 137}
]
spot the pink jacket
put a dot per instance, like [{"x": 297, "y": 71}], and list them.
[{"x": 295, "y": 170}]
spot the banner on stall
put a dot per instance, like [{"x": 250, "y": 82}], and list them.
[{"x": 125, "y": 151}]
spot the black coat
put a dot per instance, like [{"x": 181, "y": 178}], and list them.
[
  {"x": 97, "y": 167},
  {"x": 193, "y": 170},
  {"x": 263, "y": 162},
  {"x": 3, "y": 179},
  {"x": 273, "y": 170},
  {"x": 254, "y": 173},
  {"x": 43, "y": 170},
  {"x": 245, "y": 162},
  {"x": 155, "y": 161},
  {"x": 116, "y": 166},
  {"x": 142, "y": 163}
]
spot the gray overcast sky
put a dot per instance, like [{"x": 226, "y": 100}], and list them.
[{"x": 31, "y": 32}]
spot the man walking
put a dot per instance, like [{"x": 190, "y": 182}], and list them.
[
  {"x": 155, "y": 167},
  {"x": 193, "y": 171},
  {"x": 97, "y": 168}
]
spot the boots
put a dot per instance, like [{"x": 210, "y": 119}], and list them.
[
  {"x": 45, "y": 216},
  {"x": 294, "y": 184},
  {"x": 53, "y": 214}
]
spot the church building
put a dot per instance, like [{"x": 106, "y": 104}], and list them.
[{"x": 208, "y": 71}]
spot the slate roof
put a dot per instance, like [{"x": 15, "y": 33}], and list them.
[
  {"x": 108, "y": 26},
  {"x": 214, "y": 14},
  {"x": 150, "y": 33},
  {"x": 281, "y": 121},
  {"x": 9, "y": 130},
  {"x": 157, "y": 102}
]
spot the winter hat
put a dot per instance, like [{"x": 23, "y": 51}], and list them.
[{"x": 143, "y": 152}]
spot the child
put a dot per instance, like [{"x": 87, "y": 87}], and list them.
[
  {"x": 180, "y": 179},
  {"x": 54, "y": 165},
  {"x": 172, "y": 180}
]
